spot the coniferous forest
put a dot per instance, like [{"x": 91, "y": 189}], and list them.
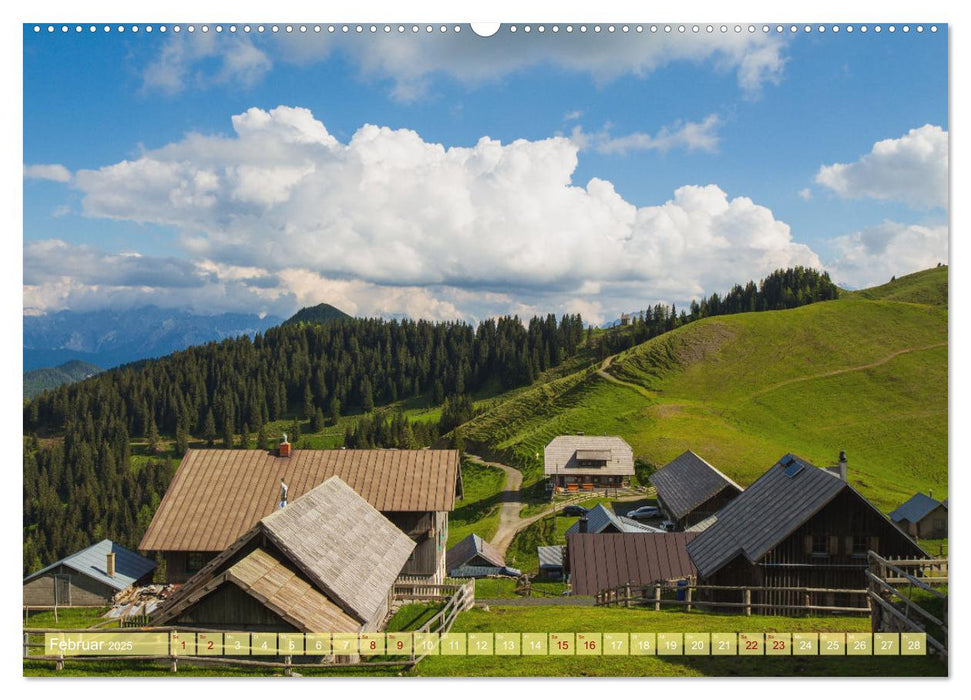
[{"x": 79, "y": 484}]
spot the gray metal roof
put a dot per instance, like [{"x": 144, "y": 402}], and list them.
[
  {"x": 764, "y": 514},
  {"x": 550, "y": 556},
  {"x": 599, "y": 518},
  {"x": 915, "y": 509},
  {"x": 686, "y": 482},
  {"x": 92, "y": 562},
  {"x": 470, "y": 547},
  {"x": 484, "y": 572},
  {"x": 561, "y": 455}
]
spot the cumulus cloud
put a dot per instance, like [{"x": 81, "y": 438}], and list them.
[
  {"x": 392, "y": 209},
  {"x": 409, "y": 60},
  {"x": 911, "y": 169},
  {"x": 688, "y": 135},
  {"x": 201, "y": 59},
  {"x": 872, "y": 256},
  {"x": 53, "y": 171},
  {"x": 805, "y": 194},
  {"x": 400, "y": 223}
]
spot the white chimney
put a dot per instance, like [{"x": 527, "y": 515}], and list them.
[
  {"x": 283, "y": 493},
  {"x": 110, "y": 564},
  {"x": 842, "y": 465}
]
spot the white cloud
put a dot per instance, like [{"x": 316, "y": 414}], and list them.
[
  {"x": 572, "y": 116},
  {"x": 873, "y": 255},
  {"x": 805, "y": 194},
  {"x": 911, "y": 169},
  {"x": 192, "y": 61},
  {"x": 53, "y": 171},
  {"x": 395, "y": 224},
  {"x": 688, "y": 135},
  {"x": 409, "y": 60}
]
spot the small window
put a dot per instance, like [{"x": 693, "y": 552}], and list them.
[
  {"x": 861, "y": 543},
  {"x": 819, "y": 546},
  {"x": 194, "y": 561}
]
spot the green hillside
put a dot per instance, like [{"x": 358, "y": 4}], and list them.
[
  {"x": 924, "y": 287},
  {"x": 863, "y": 375},
  {"x": 40, "y": 380},
  {"x": 322, "y": 313}
]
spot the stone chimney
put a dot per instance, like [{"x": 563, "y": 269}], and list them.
[
  {"x": 286, "y": 448},
  {"x": 842, "y": 465},
  {"x": 110, "y": 564},
  {"x": 582, "y": 523}
]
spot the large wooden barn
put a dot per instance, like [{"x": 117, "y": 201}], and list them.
[
  {"x": 326, "y": 562},
  {"x": 217, "y": 495},
  {"x": 796, "y": 526},
  {"x": 690, "y": 490},
  {"x": 92, "y": 576},
  {"x": 588, "y": 462}
]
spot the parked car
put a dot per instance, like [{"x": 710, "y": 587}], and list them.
[
  {"x": 669, "y": 525},
  {"x": 575, "y": 510},
  {"x": 645, "y": 513}
]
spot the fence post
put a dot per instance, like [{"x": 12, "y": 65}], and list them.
[
  {"x": 657, "y": 598},
  {"x": 59, "y": 664},
  {"x": 287, "y": 671},
  {"x": 174, "y": 666},
  {"x": 807, "y": 603},
  {"x": 627, "y": 596},
  {"x": 688, "y": 598},
  {"x": 747, "y": 597},
  {"x": 26, "y": 644}
]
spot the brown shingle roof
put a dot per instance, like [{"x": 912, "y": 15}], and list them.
[
  {"x": 280, "y": 589},
  {"x": 563, "y": 453},
  {"x": 216, "y": 495},
  {"x": 598, "y": 562}
]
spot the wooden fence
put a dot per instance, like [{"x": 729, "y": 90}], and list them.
[
  {"x": 458, "y": 599},
  {"x": 896, "y": 611},
  {"x": 653, "y": 596}
]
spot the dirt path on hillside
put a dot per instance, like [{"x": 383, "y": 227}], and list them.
[
  {"x": 847, "y": 370},
  {"x": 602, "y": 372},
  {"x": 510, "y": 521}
]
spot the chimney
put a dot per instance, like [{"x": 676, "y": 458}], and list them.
[
  {"x": 110, "y": 565},
  {"x": 842, "y": 465},
  {"x": 285, "y": 447},
  {"x": 283, "y": 492},
  {"x": 583, "y": 523}
]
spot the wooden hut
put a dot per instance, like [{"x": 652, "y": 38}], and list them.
[
  {"x": 217, "y": 495},
  {"x": 588, "y": 462},
  {"x": 92, "y": 576},
  {"x": 326, "y": 562},
  {"x": 796, "y": 526},
  {"x": 690, "y": 490},
  {"x": 922, "y": 516},
  {"x": 473, "y": 557}
]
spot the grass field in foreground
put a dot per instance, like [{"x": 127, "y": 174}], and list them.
[{"x": 584, "y": 619}]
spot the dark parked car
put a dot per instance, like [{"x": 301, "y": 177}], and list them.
[
  {"x": 645, "y": 513},
  {"x": 575, "y": 510}
]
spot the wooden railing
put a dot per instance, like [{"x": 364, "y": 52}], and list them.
[
  {"x": 896, "y": 611},
  {"x": 652, "y": 595},
  {"x": 458, "y": 597}
]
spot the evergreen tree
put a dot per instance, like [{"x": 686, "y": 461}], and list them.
[
  {"x": 317, "y": 421},
  {"x": 335, "y": 410},
  {"x": 209, "y": 429},
  {"x": 262, "y": 443},
  {"x": 244, "y": 437},
  {"x": 181, "y": 441}
]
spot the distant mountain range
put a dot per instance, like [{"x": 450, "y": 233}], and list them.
[
  {"x": 110, "y": 338},
  {"x": 37, "y": 381}
]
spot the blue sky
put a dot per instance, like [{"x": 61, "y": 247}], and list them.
[{"x": 620, "y": 170}]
